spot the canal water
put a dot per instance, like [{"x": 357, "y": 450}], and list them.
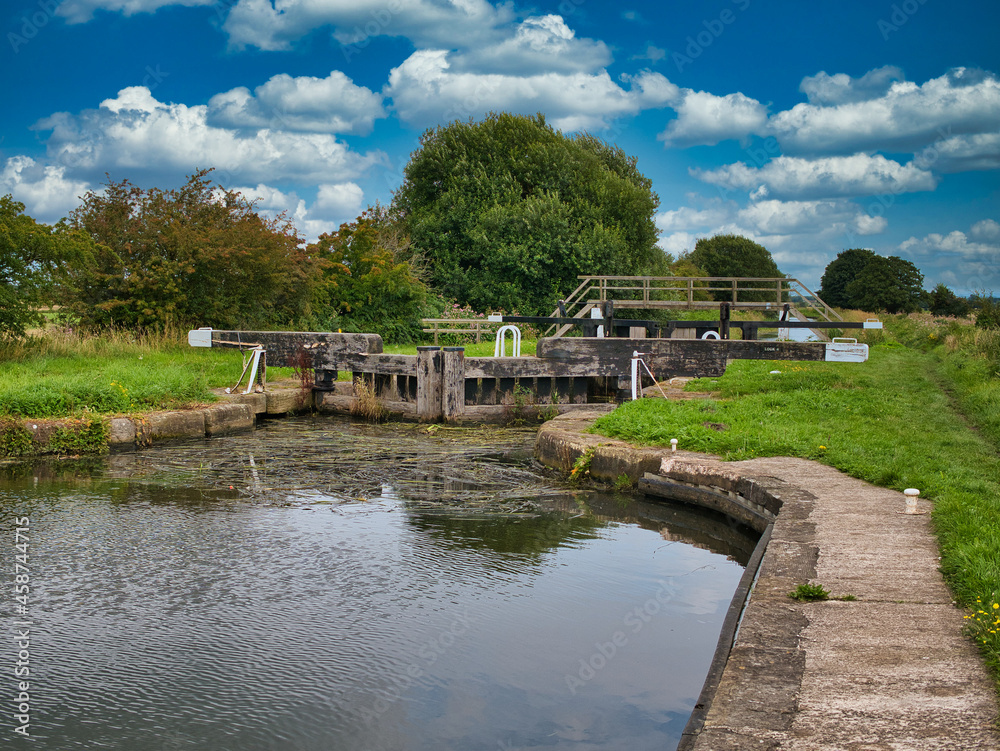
[{"x": 320, "y": 584}]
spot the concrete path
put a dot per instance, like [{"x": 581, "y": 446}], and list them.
[{"x": 890, "y": 670}]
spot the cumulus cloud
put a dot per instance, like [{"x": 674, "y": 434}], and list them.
[
  {"x": 428, "y": 23},
  {"x": 826, "y": 177},
  {"x": 652, "y": 53},
  {"x": 538, "y": 44},
  {"x": 954, "y": 243},
  {"x": 906, "y": 117},
  {"x": 81, "y": 11},
  {"x": 334, "y": 204},
  {"x": 986, "y": 231},
  {"x": 774, "y": 217},
  {"x": 47, "y": 194},
  {"x": 686, "y": 217},
  {"x": 980, "y": 151},
  {"x": 134, "y": 131},
  {"x": 704, "y": 118},
  {"x": 840, "y": 88},
  {"x": 426, "y": 91},
  {"x": 334, "y": 104}
]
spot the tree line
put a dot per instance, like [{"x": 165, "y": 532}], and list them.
[{"x": 497, "y": 215}]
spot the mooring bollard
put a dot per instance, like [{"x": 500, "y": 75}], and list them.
[{"x": 673, "y": 444}]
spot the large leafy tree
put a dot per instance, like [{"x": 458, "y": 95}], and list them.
[
  {"x": 735, "y": 255},
  {"x": 508, "y": 212},
  {"x": 370, "y": 279},
  {"x": 30, "y": 255},
  {"x": 890, "y": 284},
  {"x": 840, "y": 272},
  {"x": 944, "y": 302},
  {"x": 197, "y": 255}
]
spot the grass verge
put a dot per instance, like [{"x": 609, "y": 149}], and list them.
[
  {"x": 60, "y": 375},
  {"x": 892, "y": 422}
]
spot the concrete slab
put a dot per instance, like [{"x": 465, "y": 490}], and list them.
[
  {"x": 228, "y": 418},
  {"x": 890, "y": 670},
  {"x": 162, "y": 426}
]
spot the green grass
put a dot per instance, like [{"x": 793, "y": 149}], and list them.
[
  {"x": 893, "y": 421},
  {"x": 64, "y": 376}
]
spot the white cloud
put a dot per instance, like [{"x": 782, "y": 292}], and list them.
[
  {"x": 136, "y": 132},
  {"x": 686, "y": 218},
  {"x": 704, "y": 118},
  {"x": 827, "y": 177},
  {"x": 342, "y": 200},
  {"x": 539, "y": 44},
  {"x": 428, "y": 23},
  {"x": 955, "y": 243},
  {"x": 334, "y": 104},
  {"x": 986, "y": 230},
  {"x": 840, "y": 88},
  {"x": 334, "y": 204},
  {"x": 980, "y": 151},
  {"x": 47, "y": 194},
  {"x": 803, "y": 217},
  {"x": 81, "y": 11},
  {"x": 906, "y": 118},
  {"x": 652, "y": 53},
  {"x": 426, "y": 91}
]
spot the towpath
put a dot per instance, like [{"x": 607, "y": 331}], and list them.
[{"x": 888, "y": 670}]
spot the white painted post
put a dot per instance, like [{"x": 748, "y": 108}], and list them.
[
  {"x": 596, "y": 313},
  {"x": 911, "y": 500},
  {"x": 635, "y": 375}
]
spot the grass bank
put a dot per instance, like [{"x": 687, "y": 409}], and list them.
[
  {"x": 64, "y": 375},
  {"x": 923, "y": 412}
]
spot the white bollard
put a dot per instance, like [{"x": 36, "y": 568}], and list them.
[
  {"x": 635, "y": 375},
  {"x": 911, "y": 500},
  {"x": 596, "y": 313},
  {"x": 673, "y": 444}
]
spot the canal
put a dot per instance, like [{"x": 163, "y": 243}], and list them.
[{"x": 321, "y": 584}]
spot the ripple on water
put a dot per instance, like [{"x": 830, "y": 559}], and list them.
[{"x": 171, "y": 612}]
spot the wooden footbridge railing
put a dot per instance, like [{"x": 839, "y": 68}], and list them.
[{"x": 692, "y": 293}]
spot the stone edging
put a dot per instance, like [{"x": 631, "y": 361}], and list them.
[
  {"x": 234, "y": 413},
  {"x": 758, "y": 665}
]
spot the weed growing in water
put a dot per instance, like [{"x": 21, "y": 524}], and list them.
[{"x": 367, "y": 405}]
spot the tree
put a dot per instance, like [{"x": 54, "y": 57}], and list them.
[
  {"x": 840, "y": 272},
  {"x": 369, "y": 278},
  {"x": 30, "y": 254},
  {"x": 508, "y": 212},
  {"x": 197, "y": 255},
  {"x": 944, "y": 302},
  {"x": 735, "y": 255},
  {"x": 890, "y": 284},
  {"x": 987, "y": 310}
]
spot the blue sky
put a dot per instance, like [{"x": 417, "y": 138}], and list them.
[{"x": 810, "y": 127}]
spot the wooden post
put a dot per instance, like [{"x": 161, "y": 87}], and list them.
[
  {"x": 429, "y": 362},
  {"x": 453, "y": 383}
]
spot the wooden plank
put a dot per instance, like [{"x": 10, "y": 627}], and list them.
[
  {"x": 429, "y": 367},
  {"x": 376, "y": 363},
  {"x": 667, "y": 357},
  {"x": 452, "y": 384},
  {"x": 516, "y": 367},
  {"x": 283, "y": 347}
]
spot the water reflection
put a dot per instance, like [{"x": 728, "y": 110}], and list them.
[{"x": 317, "y": 596}]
